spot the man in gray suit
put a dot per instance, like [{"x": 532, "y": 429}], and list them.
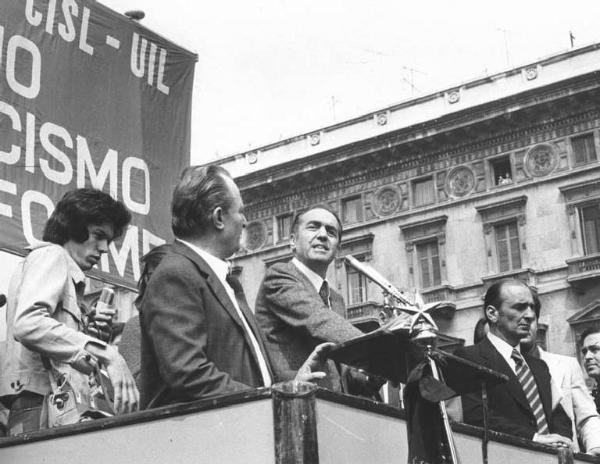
[{"x": 296, "y": 308}]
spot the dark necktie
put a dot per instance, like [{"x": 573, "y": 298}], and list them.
[
  {"x": 596, "y": 395},
  {"x": 531, "y": 391},
  {"x": 240, "y": 297},
  {"x": 324, "y": 293}
]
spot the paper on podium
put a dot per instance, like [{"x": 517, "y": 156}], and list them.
[{"x": 393, "y": 355}]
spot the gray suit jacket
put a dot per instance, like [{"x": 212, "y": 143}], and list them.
[
  {"x": 294, "y": 320},
  {"x": 193, "y": 342}
]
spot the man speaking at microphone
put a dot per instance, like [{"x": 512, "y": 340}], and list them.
[{"x": 297, "y": 309}]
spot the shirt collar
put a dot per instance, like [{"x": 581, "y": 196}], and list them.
[
  {"x": 314, "y": 278},
  {"x": 502, "y": 346},
  {"x": 73, "y": 269},
  {"x": 219, "y": 267}
]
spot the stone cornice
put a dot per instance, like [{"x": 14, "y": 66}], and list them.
[
  {"x": 506, "y": 107},
  {"x": 396, "y": 170}
]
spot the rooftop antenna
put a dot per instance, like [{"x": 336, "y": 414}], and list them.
[
  {"x": 504, "y": 31},
  {"x": 333, "y": 100},
  {"x": 572, "y": 38},
  {"x": 412, "y": 78}
]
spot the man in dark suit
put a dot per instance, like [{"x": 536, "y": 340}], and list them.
[
  {"x": 199, "y": 338},
  {"x": 297, "y": 309},
  {"x": 523, "y": 406}
]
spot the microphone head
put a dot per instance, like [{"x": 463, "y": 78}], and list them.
[{"x": 2, "y": 299}]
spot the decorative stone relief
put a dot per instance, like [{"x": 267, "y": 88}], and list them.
[
  {"x": 387, "y": 201},
  {"x": 460, "y": 182},
  {"x": 541, "y": 160},
  {"x": 531, "y": 73},
  {"x": 252, "y": 157},
  {"x": 256, "y": 235},
  {"x": 381, "y": 119},
  {"x": 314, "y": 139},
  {"x": 453, "y": 96}
]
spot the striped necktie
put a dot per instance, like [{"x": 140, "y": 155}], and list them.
[{"x": 531, "y": 391}]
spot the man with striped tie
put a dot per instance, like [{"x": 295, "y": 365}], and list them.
[{"x": 523, "y": 406}]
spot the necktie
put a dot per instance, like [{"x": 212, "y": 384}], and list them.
[
  {"x": 324, "y": 293},
  {"x": 252, "y": 328},
  {"x": 596, "y": 395},
  {"x": 239, "y": 294},
  {"x": 531, "y": 391}
]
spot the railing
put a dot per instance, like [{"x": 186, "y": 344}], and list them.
[{"x": 585, "y": 267}]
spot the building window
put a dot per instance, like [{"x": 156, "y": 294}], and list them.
[
  {"x": 501, "y": 171},
  {"x": 428, "y": 258},
  {"x": 425, "y": 243},
  {"x": 590, "y": 228},
  {"x": 352, "y": 210},
  {"x": 423, "y": 192},
  {"x": 356, "y": 284},
  {"x": 505, "y": 235},
  {"x": 507, "y": 246},
  {"x": 584, "y": 150},
  {"x": 284, "y": 227}
]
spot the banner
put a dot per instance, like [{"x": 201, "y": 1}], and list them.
[{"x": 90, "y": 98}]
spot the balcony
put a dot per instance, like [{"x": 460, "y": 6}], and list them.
[
  {"x": 445, "y": 293},
  {"x": 367, "y": 316},
  {"x": 583, "y": 268}
]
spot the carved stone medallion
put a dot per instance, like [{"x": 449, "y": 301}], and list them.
[
  {"x": 387, "y": 201},
  {"x": 460, "y": 182},
  {"x": 255, "y": 235},
  {"x": 541, "y": 160}
]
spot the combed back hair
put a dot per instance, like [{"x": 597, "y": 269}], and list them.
[
  {"x": 493, "y": 296},
  {"x": 594, "y": 329},
  {"x": 299, "y": 215},
  {"x": 81, "y": 208},
  {"x": 200, "y": 190}
]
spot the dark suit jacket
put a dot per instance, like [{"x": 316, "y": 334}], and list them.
[
  {"x": 193, "y": 342},
  {"x": 509, "y": 411},
  {"x": 294, "y": 320}
]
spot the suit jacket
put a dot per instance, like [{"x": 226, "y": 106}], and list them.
[
  {"x": 508, "y": 409},
  {"x": 294, "y": 320},
  {"x": 193, "y": 342},
  {"x": 576, "y": 399}
]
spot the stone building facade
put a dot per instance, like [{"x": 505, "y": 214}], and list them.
[{"x": 496, "y": 177}]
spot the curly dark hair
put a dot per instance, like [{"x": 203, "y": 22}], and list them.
[{"x": 81, "y": 208}]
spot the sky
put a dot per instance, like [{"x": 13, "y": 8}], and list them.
[{"x": 271, "y": 69}]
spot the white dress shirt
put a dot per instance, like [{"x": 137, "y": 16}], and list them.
[
  {"x": 221, "y": 268},
  {"x": 505, "y": 350},
  {"x": 314, "y": 278}
]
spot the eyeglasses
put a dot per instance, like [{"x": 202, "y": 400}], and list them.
[{"x": 594, "y": 349}]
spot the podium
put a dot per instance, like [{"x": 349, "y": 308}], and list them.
[{"x": 394, "y": 355}]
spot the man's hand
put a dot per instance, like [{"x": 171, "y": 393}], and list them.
[
  {"x": 101, "y": 321},
  {"x": 312, "y": 369},
  {"x": 126, "y": 395},
  {"x": 553, "y": 439}
]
